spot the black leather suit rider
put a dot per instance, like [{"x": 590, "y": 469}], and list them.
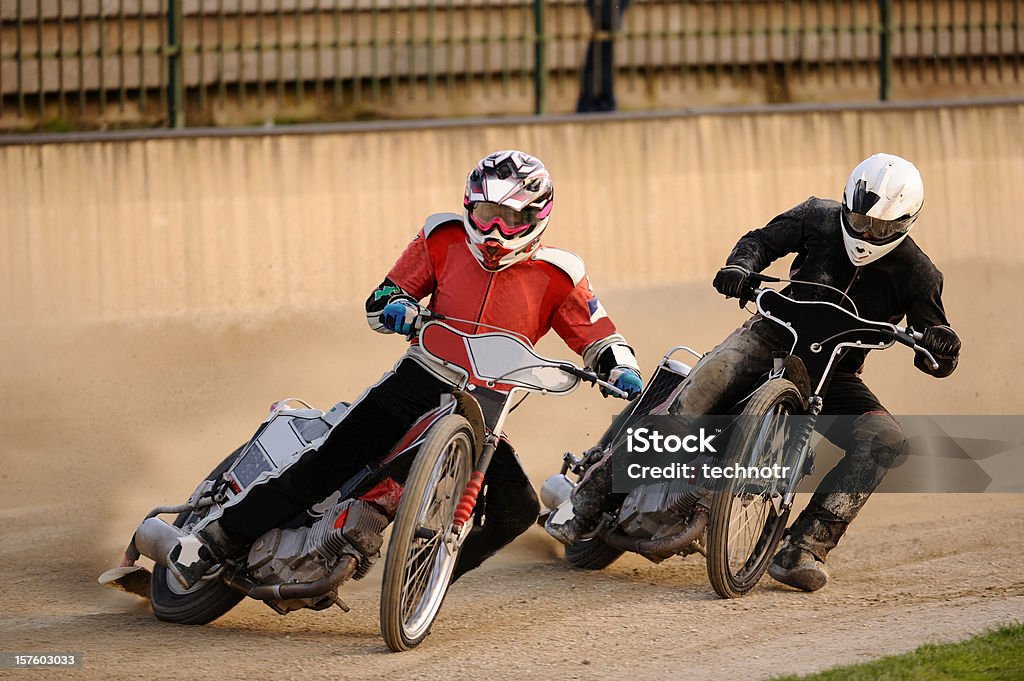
[{"x": 902, "y": 283}]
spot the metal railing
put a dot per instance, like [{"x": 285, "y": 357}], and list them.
[{"x": 172, "y": 62}]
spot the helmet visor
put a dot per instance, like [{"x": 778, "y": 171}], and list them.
[
  {"x": 488, "y": 217},
  {"x": 876, "y": 230}
]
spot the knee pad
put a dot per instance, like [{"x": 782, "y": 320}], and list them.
[{"x": 880, "y": 436}]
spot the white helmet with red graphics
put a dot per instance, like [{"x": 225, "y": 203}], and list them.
[
  {"x": 506, "y": 208},
  {"x": 883, "y": 197}
]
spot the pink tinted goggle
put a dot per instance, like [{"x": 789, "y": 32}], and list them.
[{"x": 509, "y": 222}]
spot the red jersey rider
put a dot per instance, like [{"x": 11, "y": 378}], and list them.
[{"x": 487, "y": 266}]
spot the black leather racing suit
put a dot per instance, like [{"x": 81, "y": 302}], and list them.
[{"x": 902, "y": 283}]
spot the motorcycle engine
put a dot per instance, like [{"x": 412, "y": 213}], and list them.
[
  {"x": 305, "y": 554},
  {"x": 660, "y": 510}
]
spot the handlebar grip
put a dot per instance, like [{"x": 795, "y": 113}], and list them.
[
  {"x": 909, "y": 337},
  {"x": 578, "y": 373},
  {"x": 905, "y": 338},
  {"x": 425, "y": 316},
  {"x": 918, "y": 337},
  {"x": 591, "y": 378}
]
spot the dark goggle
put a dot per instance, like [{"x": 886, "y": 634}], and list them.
[
  {"x": 488, "y": 217},
  {"x": 876, "y": 230}
]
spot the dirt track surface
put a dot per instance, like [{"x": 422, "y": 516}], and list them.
[{"x": 104, "y": 421}]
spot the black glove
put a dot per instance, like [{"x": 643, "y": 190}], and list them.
[
  {"x": 732, "y": 281},
  {"x": 941, "y": 341}
]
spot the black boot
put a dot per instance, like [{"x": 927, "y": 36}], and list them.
[
  {"x": 574, "y": 530},
  {"x": 590, "y": 498},
  {"x": 798, "y": 568},
  {"x": 800, "y": 562},
  {"x": 200, "y": 554}
]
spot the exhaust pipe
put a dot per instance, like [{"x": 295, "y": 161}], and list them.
[
  {"x": 555, "y": 491},
  {"x": 657, "y": 550},
  {"x": 155, "y": 538},
  {"x": 345, "y": 568}
]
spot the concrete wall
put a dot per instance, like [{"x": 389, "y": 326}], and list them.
[{"x": 241, "y": 224}]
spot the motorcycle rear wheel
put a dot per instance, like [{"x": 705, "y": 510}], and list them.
[
  {"x": 204, "y": 602},
  {"x": 745, "y": 526},
  {"x": 592, "y": 554},
  {"x": 419, "y": 562}
]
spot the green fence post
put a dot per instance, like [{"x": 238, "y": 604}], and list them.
[
  {"x": 175, "y": 66},
  {"x": 540, "y": 66},
  {"x": 884, "y": 51}
]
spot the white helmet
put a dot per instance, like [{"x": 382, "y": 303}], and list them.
[
  {"x": 882, "y": 199},
  {"x": 506, "y": 208}
]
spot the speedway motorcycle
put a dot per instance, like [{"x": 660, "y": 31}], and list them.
[
  {"x": 435, "y": 471},
  {"x": 736, "y": 523}
]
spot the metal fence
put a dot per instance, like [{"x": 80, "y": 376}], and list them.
[{"x": 172, "y": 62}]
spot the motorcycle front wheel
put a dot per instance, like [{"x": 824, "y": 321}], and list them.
[
  {"x": 746, "y": 524},
  {"x": 204, "y": 602},
  {"x": 421, "y": 553}
]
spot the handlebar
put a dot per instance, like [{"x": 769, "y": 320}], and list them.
[
  {"x": 902, "y": 335},
  {"x": 759, "y": 278},
  {"x": 907, "y": 336},
  {"x": 425, "y": 316},
  {"x": 591, "y": 378}
]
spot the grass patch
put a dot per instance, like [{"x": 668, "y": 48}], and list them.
[{"x": 994, "y": 656}]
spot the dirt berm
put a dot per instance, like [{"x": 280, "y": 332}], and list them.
[{"x": 103, "y": 421}]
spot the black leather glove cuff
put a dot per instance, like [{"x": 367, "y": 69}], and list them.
[{"x": 731, "y": 281}]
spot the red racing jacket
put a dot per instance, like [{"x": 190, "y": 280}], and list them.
[{"x": 548, "y": 290}]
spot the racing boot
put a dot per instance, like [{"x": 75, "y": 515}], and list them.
[
  {"x": 798, "y": 568},
  {"x": 590, "y": 498},
  {"x": 574, "y": 530},
  {"x": 818, "y": 529},
  {"x": 200, "y": 554}
]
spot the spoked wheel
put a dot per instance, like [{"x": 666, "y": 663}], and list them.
[
  {"x": 747, "y": 518},
  {"x": 422, "y": 551}
]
